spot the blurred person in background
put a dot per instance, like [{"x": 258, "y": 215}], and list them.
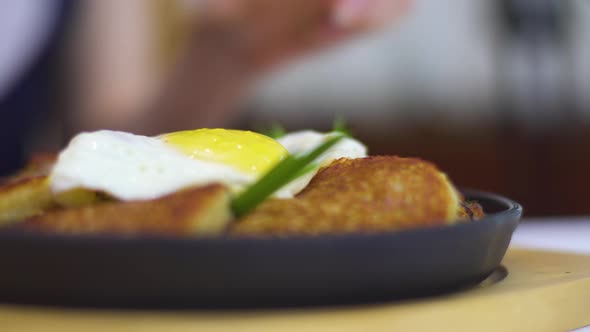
[
  {"x": 29, "y": 34},
  {"x": 166, "y": 65},
  {"x": 153, "y": 66}
]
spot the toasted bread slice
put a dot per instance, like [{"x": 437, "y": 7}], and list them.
[
  {"x": 197, "y": 211},
  {"x": 361, "y": 195},
  {"x": 24, "y": 198}
]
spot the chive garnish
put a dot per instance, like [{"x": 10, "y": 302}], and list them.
[
  {"x": 284, "y": 172},
  {"x": 340, "y": 126},
  {"x": 274, "y": 131}
]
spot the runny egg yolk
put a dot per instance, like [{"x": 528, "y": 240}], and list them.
[{"x": 247, "y": 151}]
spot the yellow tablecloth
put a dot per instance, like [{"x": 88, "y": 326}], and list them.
[{"x": 543, "y": 291}]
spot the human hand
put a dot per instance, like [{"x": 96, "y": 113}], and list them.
[
  {"x": 267, "y": 32},
  {"x": 235, "y": 41}
]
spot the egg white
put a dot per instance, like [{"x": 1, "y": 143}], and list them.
[{"x": 134, "y": 167}]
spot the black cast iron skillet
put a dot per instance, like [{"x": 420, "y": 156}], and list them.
[{"x": 107, "y": 271}]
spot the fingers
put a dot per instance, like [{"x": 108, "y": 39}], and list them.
[
  {"x": 273, "y": 29},
  {"x": 367, "y": 14}
]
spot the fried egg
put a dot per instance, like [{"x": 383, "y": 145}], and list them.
[{"x": 134, "y": 167}]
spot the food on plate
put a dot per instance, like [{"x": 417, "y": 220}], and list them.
[
  {"x": 211, "y": 181},
  {"x": 196, "y": 211},
  {"x": 24, "y": 197},
  {"x": 470, "y": 210},
  {"x": 365, "y": 194},
  {"x": 133, "y": 167}
]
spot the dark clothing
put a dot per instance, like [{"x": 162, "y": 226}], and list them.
[{"x": 33, "y": 94}]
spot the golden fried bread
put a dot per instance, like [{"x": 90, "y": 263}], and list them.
[
  {"x": 367, "y": 194},
  {"x": 24, "y": 198},
  {"x": 370, "y": 194},
  {"x": 26, "y": 193},
  {"x": 470, "y": 210},
  {"x": 197, "y": 211}
]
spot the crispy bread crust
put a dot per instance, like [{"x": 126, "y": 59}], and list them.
[
  {"x": 378, "y": 193},
  {"x": 368, "y": 194},
  {"x": 470, "y": 210},
  {"x": 24, "y": 198},
  {"x": 198, "y": 211}
]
